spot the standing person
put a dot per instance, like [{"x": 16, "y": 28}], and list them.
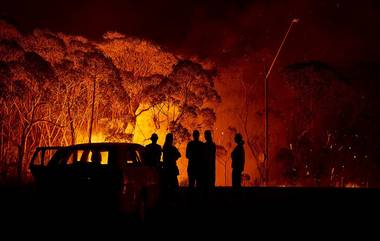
[
  {"x": 238, "y": 159},
  {"x": 209, "y": 157},
  {"x": 170, "y": 157},
  {"x": 153, "y": 152},
  {"x": 194, "y": 154}
]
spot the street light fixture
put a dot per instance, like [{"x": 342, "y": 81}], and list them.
[{"x": 266, "y": 94}]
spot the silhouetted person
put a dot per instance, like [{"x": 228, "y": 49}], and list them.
[
  {"x": 194, "y": 154},
  {"x": 238, "y": 159},
  {"x": 209, "y": 157},
  {"x": 153, "y": 152},
  {"x": 170, "y": 169}
]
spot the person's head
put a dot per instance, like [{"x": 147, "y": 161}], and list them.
[
  {"x": 196, "y": 135},
  {"x": 208, "y": 136},
  {"x": 154, "y": 138},
  {"x": 169, "y": 139},
  {"x": 239, "y": 139}
]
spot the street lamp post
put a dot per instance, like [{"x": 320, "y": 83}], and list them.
[{"x": 266, "y": 95}]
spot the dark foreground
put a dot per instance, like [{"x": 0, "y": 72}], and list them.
[{"x": 29, "y": 211}]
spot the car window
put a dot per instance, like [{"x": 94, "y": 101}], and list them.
[
  {"x": 104, "y": 155},
  {"x": 72, "y": 158},
  {"x": 130, "y": 157},
  {"x": 138, "y": 157},
  {"x": 43, "y": 156},
  {"x": 54, "y": 157},
  {"x": 79, "y": 155},
  {"x": 93, "y": 156},
  {"x": 60, "y": 157},
  {"x": 85, "y": 156}
]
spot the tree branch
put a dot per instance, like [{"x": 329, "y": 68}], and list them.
[
  {"x": 143, "y": 110},
  {"x": 47, "y": 121}
]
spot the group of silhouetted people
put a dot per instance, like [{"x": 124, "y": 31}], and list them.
[
  {"x": 201, "y": 161},
  {"x": 170, "y": 155}
]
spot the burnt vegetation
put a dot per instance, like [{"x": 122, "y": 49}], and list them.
[{"x": 48, "y": 81}]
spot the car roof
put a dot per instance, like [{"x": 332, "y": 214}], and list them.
[{"x": 105, "y": 145}]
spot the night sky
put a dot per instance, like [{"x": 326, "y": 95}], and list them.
[{"x": 341, "y": 33}]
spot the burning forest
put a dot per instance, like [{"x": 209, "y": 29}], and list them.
[
  {"x": 49, "y": 80},
  {"x": 60, "y": 89}
]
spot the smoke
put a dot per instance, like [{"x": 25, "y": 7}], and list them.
[{"x": 240, "y": 40}]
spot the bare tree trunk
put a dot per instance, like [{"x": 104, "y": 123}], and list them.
[
  {"x": 133, "y": 122},
  {"x": 7, "y": 150},
  {"x": 72, "y": 129},
  {"x": 2, "y": 160},
  {"x": 21, "y": 152},
  {"x": 225, "y": 173},
  {"x": 92, "y": 110},
  {"x": 244, "y": 117}
]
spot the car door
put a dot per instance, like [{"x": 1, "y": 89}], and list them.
[{"x": 39, "y": 164}]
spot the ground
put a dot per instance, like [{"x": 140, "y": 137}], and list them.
[{"x": 249, "y": 210}]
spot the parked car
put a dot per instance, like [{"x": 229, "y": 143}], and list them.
[{"x": 113, "y": 170}]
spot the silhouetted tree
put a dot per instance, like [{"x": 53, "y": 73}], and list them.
[
  {"x": 48, "y": 81},
  {"x": 190, "y": 87},
  {"x": 324, "y": 98}
]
